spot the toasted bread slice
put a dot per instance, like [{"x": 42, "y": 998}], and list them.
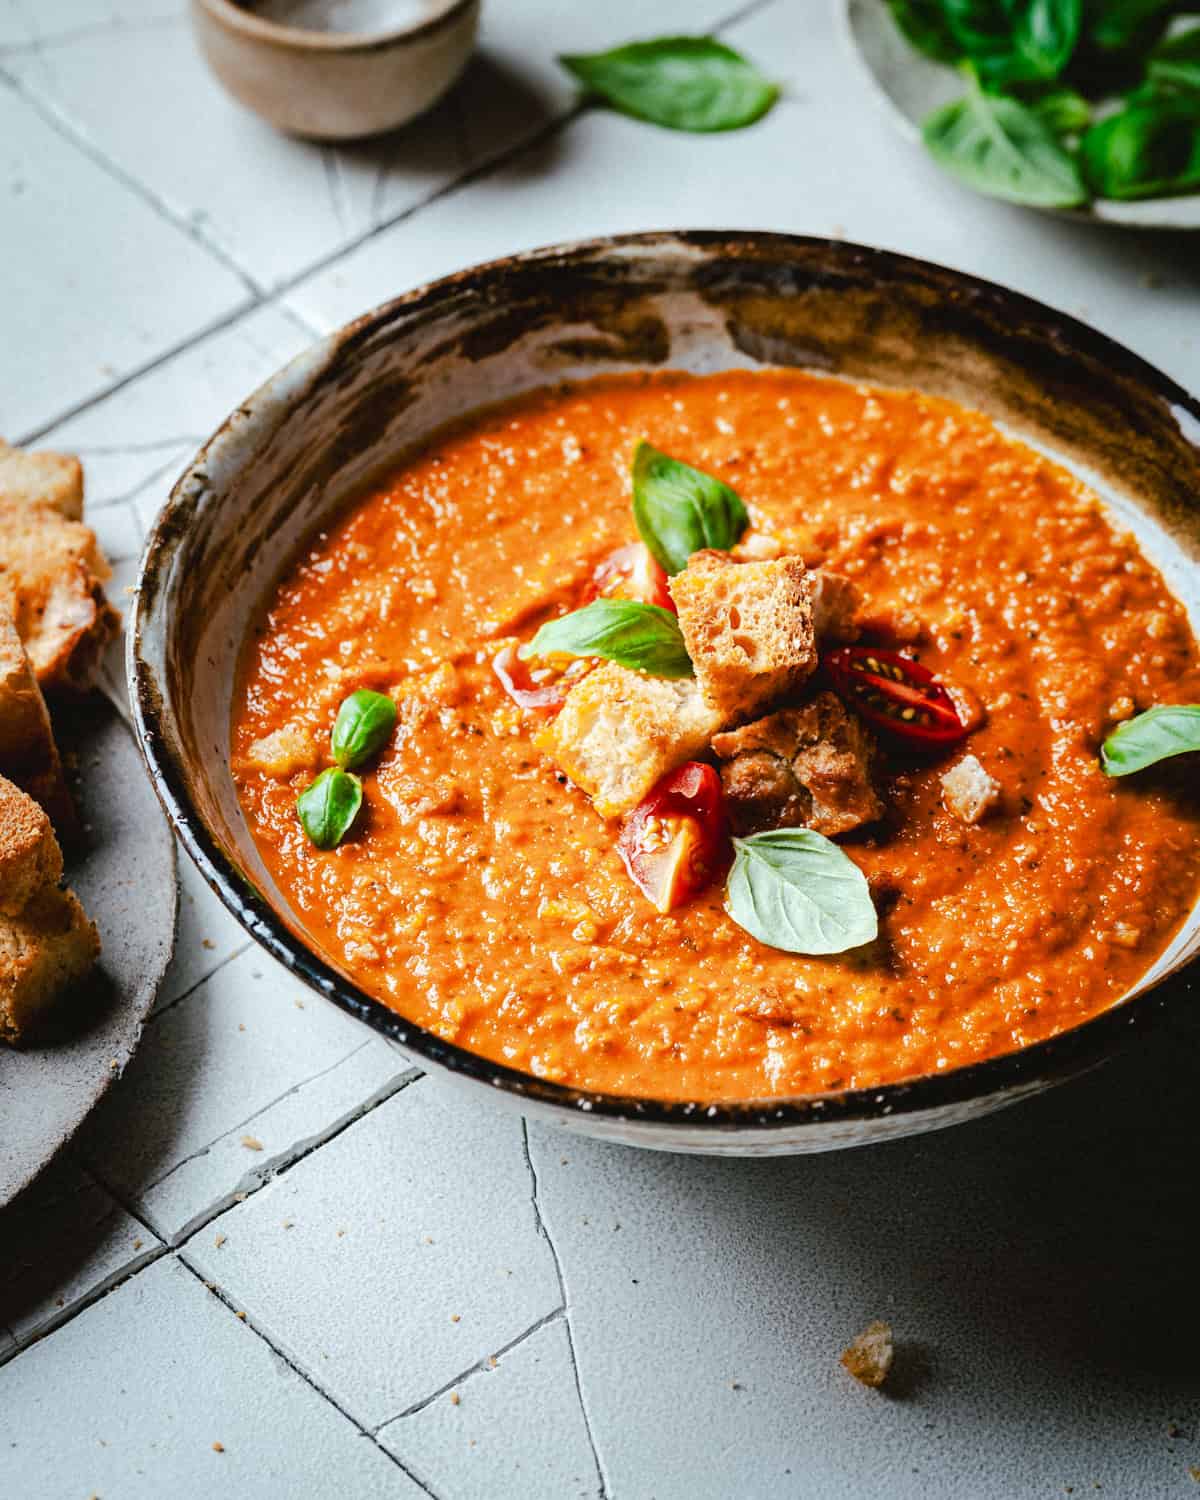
[
  {"x": 49, "y": 946},
  {"x": 30, "y": 858},
  {"x": 28, "y": 754},
  {"x": 620, "y": 731},
  {"x": 51, "y": 479}
]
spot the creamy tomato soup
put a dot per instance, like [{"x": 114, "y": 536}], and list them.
[{"x": 480, "y": 894}]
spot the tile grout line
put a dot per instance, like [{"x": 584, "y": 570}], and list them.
[
  {"x": 542, "y": 1228},
  {"x": 222, "y": 963}
]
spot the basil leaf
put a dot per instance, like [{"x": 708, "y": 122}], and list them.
[
  {"x": 1176, "y": 62},
  {"x": 793, "y": 889},
  {"x": 1063, "y": 111},
  {"x": 683, "y": 82},
  {"x": 923, "y": 25},
  {"x": 362, "y": 726},
  {"x": 1170, "y": 729},
  {"x": 1117, "y": 25},
  {"x": 1018, "y": 41},
  {"x": 1149, "y": 150},
  {"x": 679, "y": 510},
  {"x": 1045, "y": 33},
  {"x": 328, "y": 807},
  {"x": 1001, "y": 147},
  {"x": 642, "y": 636}
]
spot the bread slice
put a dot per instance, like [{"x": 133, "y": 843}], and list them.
[
  {"x": 620, "y": 731},
  {"x": 30, "y": 858},
  {"x": 46, "y": 948},
  {"x": 28, "y": 754},
  {"x": 53, "y": 479},
  {"x": 748, "y": 628}
]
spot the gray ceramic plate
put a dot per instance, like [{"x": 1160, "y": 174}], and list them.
[
  {"x": 124, "y": 873},
  {"x": 911, "y": 87}
]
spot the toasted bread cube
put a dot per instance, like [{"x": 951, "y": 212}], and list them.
[
  {"x": 968, "y": 792},
  {"x": 806, "y": 767},
  {"x": 282, "y": 753},
  {"x": 748, "y": 629},
  {"x": 30, "y": 858},
  {"x": 28, "y": 754},
  {"x": 870, "y": 1355},
  {"x": 620, "y": 731},
  {"x": 835, "y": 602},
  {"x": 49, "y": 946},
  {"x": 53, "y": 479}
]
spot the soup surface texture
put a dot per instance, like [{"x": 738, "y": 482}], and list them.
[{"x": 484, "y": 899}]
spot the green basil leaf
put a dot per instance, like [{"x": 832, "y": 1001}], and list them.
[
  {"x": 999, "y": 146},
  {"x": 642, "y": 636},
  {"x": 1121, "y": 25},
  {"x": 1149, "y": 150},
  {"x": 924, "y": 25},
  {"x": 794, "y": 889},
  {"x": 683, "y": 82},
  {"x": 679, "y": 510},
  {"x": 1170, "y": 729},
  {"x": 1045, "y": 33},
  {"x": 328, "y": 807},
  {"x": 1063, "y": 111},
  {"x": 363, "y": 724},
  {"x": 1176, "y": 62}
]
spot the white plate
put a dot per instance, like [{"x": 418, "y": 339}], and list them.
[
  {"x": 911, "y": 87},
  {"x": 124, "y": 873}
]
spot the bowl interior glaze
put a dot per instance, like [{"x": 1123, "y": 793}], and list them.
[{"x": 305, "y": 444}]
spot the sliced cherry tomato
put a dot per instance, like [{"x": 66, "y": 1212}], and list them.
[
  {"x": 675, "y": 841},
  {"x": 631, "y": 573},
  {"x": 543, "y": 685},
  {"x": 896, "y": 695}
]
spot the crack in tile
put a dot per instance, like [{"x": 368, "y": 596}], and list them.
[
  {"x": 543, "y": 1229},
  {"x": 477, "y": 1368},
  {"x": 162, "y": 1010},
  {"x": 41, "y": 44}
]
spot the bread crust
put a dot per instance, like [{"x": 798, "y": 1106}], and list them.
[
  {"x": 28, "y": 754},
  {"x": 42, "y": 478}
]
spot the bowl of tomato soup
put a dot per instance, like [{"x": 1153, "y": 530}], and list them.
[{"x": 726, "y": 692}]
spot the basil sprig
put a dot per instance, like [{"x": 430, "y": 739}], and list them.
[
  {"x": 1175, "y": 63},
  {"x": 690, "y": 83},
  {"x": 794, "y": 889},
  {"x": 363, "y": 724},
  {"x": 679, "y": 510},
  {"x": 1170, "y": 729},
  {"x": 327, "y": 809},
  {"x": 642, "y": 636},
  {"x": 1149, "y": 150}
]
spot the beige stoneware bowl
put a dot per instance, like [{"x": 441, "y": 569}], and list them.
[{"x": 335, "y": 85}]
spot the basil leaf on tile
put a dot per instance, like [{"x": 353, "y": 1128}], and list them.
[
  {"x": 795, "y": 890},
  {"x": 1000, "y": 146},
  {"x": 679, "y": 510},
  {"x": 644, "y": 637},
  {"x": 327, "y": 809},
  {"x": 363, "y": 724},
  {"x": 1170, "y": 729},
  {"x": 1149, "y": 150},
  {"x": 690, "y": 83}
]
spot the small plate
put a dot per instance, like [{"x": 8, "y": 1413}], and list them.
[
  {"x": 911, "y": 87},
  {"x": 124, "y": 873}
]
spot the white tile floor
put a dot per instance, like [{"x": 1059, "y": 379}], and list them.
[{"x": 660, "y": 1327}]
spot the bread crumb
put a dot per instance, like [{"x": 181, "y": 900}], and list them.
[
  {"x": 456, "y": 1317},
  {"x": 340, "y": 1233},
  {"x": 455, "y": 1398},
  {"x": 137, "y": 1244},
  {"x": 219, "y": 1241},
  {"x": 242, "y": 1315},
  {"x": 287, "y": 1223},
  {"x": 218, "y": 1447},
  {"x": 492, "y": 1361},
  {"x": 869, "y": 1356},
  {"x": 241, "y": 1026},
  {"x": 252, "y": 1143}
]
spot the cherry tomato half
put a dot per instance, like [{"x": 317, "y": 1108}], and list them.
[
  {"x": 630, "y": 573},
  {"x": 896, "y": 695},
  {"x": 675, "y": 840},
  {"x": 542, "y": 686}
]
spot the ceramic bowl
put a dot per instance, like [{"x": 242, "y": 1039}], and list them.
[
  {"x": 294, "y": 453},
  {"x": 335, "y": 85},
  {"x": 910, "y": 87}
]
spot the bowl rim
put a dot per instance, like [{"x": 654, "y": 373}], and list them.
[
  {"x": 234, "y": 17},
  {"x": 1058, "y": 1057}
]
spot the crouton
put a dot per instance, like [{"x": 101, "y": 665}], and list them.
[
  {"x": 968, "y": 792},
  {"x": 282, "y": 753},
  {"x": 869, "y": 1356},
  {"x": 835, "y": 601},
  {"x": 748, "y": 629},
  {"x": 51, "y": 479},
  {"x": 30, "y": 858},
  {"x": 619, "y": 732},
  {"x": 28, "y": 754},
  {"x": 806, "y": 767},
  {"x": 47, "y": 947},
  {"x": 53, "y": 572}
]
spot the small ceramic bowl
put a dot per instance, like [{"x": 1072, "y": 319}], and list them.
[
  {"x": 335, "y": 85},
  {"x": 303, "y": 446}
]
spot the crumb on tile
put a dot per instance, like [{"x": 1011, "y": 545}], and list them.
[
  {"x": 218, "y": 1447},
  {"x": 455, "y": 1398},
  {"x": 869, "y": 1356},
  {"x": 252, "y": 1143},
  {"x": 220, "y": 1240}
]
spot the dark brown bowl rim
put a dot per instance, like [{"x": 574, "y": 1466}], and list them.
[{"x": 1039, "y": 1065}]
